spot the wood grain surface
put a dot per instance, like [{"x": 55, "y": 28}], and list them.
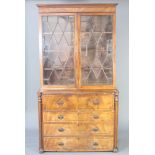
[{"x": 78, "y": 117}]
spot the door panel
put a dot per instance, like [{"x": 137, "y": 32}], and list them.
[
  {"x": 58, "y": 50},
  {"x": 96, "y": 50}
]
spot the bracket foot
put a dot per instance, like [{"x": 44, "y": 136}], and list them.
[
  {"x": 41, "y": 150},
  {"x": 115, "y": 149}
]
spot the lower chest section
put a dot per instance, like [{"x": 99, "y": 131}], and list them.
[{"x": 78, "y": 122}]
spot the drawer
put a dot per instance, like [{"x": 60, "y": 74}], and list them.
[
  {"x": 60, "y": 129},
  {"x": 105, "y": 128},
  {"x": 59, "y": 116},
  {"x": 97, "y": 116},
  {"x": 94, "y": 143},
  {"x": 58, "y": 144},
  {"x": 96, "y": 102},
  {"x": 59, "y": 102}
]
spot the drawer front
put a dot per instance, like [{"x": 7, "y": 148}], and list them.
[
  {"x": 97, "y": 116},
  {"x": 96, "y": 128},
  {"x": 96, "y": 102},
  {"x": 73, "y": 143},
  {"x": 59, "y": 102},
  {"x": 60, "y": 129},
  {"x": 60, "y": 144},
  {"x": 81, "y": 116},
  {"x": 94, "y": 143},
  {"x": 59, "y": 116}
]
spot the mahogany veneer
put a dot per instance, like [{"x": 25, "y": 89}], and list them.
[{"x": 78, "y": 99}]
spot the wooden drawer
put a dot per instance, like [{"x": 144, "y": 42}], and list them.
[
  {"x": 96, "y": 102},
  {"x": 79, "y": 144},
  {"x": 96, "y": 143},
  {"x": 59, "y": 116},
  {"x": 60, "y": 144},
  {"x": 106, "y": 116},
  {"x": 59, "y": 102},
  {"x": 96, "y": 128},
  {"x": 97, "y": 116},
  {"x": 60, "y": 129}
]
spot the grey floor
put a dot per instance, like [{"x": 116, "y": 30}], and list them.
[{"x": 32, "y": 145}]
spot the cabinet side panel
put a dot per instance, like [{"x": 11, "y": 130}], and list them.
[
  {"x": 114, "y": 50},
  {"x": 40, "y": 49},
  {"x": 116, "y": 122},
  {"x": 40, "y": 121}
]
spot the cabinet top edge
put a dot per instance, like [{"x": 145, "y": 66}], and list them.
[
  {"x": 47, "y": 92},
  {"x": 76, "y": 8},
  {"x": 76, "y": 5}
]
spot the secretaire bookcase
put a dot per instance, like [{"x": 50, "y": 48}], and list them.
[{"x": 78, "y": 99}]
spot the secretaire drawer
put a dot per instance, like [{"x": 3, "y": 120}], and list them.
[
  {"x": 60, "y": 129},
  {"x": 96, "y": 102},
  {"x": 59, "y": 116},
  {"x": 97, "y": 116},
  {"x": 56, "y": 144},
  {"x": 59, "y": 102},
  {"x": 96, "y": 143},
  {"x": 105, "y": 128}
]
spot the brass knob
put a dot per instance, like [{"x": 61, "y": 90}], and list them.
[
  {"x": 60, "y": 102},
  {"x": 60, "y": 143},
  {"x": 61, "y": 129},
  {"x": 95, "y": 144},
  {"x": 96, "y": 117},
  {"x": 95, "y": 129},
  {"x": 96, "y": 101},
  {"x": 60, "y": 117}
]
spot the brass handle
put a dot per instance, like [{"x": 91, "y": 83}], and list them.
[
  {"x": 95, "y": 144},
  {"x": 61, "y": 144},
  {"x": 96, "y": 101},
  {"x": 61, "y": 129},
  {"x": 95, "y": 129},
  {"x": 60, "y": 102},
  {"x": 60, "y": 117},
  {"x": 96, "y": 117}
]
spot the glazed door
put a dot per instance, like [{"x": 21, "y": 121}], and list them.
[
  {"x": 58, "y": 66},
  {"x": 77, "y": 50},
  {"x": 96, "y": 50}
]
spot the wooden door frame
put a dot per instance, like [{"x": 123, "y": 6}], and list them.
[
  {"x": 113, "y": 86},
  {"x": 77, "y": 10},
  {"x": 72, "y": 86}
]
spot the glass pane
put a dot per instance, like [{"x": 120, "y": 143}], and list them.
[
  {"x": 96, "y": 50},
  {"x": 58, "y": 50}
]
